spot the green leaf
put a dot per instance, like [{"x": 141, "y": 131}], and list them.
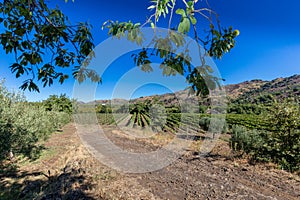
[
  {"x": 193, "y": 19},
  {"x": 181, "y": 12},
  {"x": 33, "y": 87},
  {"x": 184, "y": 26},
  {"x": 152, "y": 25}
]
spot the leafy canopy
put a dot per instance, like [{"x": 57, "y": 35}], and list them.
[
  {"x": 44, "y": 42},
  {"x": 216, "y": 41}
]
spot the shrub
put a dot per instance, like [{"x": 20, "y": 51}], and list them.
[
  {"x": 281, "y": 145},
  {"x": 284, "y": 143},
  {"x": 249, "y": 141},
  {"x": 23, "y": 124},
  {"x": 204, "y": 123},
  {"x": 213, "y": 124}
]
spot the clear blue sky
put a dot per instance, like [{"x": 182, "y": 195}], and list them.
[{"x": 268, "y": 46}]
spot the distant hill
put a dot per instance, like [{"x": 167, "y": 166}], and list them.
[
  {"x": 258, "y": 91},
  {"x": 246, "y": 92},
  {"x": 233, "y": 91}
]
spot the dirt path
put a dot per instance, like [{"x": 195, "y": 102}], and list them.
[
  {"x": 213, "y": 177},
  {"x": 75, "y": 174}
]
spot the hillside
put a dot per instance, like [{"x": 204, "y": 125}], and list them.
[
  {"x": 258, "y": 91},
  {"x": 233, "y": 91},
  {"x": 71, "y": 165},
  {"x": 254, "y": 91}
]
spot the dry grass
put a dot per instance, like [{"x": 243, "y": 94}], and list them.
[{"x": 67, "y": 170}]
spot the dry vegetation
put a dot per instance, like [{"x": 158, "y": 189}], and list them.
[{"x": 67, "y": 171}]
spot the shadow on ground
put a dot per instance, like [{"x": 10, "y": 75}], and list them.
[{"x": 69, "y": 184}]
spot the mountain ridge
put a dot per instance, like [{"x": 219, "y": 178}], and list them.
[{"x": 247, "y": 91}]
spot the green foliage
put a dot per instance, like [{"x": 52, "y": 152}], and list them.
[
  {"x": 222, "y": 41},
  {"x": 255, "y": 109},
  {"x": 118, "y": 30},
  {"x": 204, "y": 123},
  {"x": 285, "y": 141},
  {"x": 173, "y": 109},
  {"x": 23, "y": 125},
  {"x": 249, "y": 121},
  {"x": 281, "y": 145},
  {"x": 184, "y": 25},
  {"x": 202, "y": 109},
  {"x": 173, "y": 122},
  {"x": 103, "y": 108},
  {"x": 31, "y": 30},
  {"x": 158, "y": 116},
  {"x": 249, "y": 141},
  {"x": 213, "y": 124},
  {"x": 58, "y": 103},
  {"x": 216, "y": 42},
  {"x": 162, "y": 7},
  {"x": 252, "y": 142},
  {"x": 110, "y": 118},
  {"x": 154, "y": 115},
  {"x": 140, "y": 115},
  {"x": 202, "y": 80}
]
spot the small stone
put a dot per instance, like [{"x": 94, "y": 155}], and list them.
[{"x": 225, "y": 169}]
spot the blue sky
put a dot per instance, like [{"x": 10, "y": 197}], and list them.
[{"x": 268, "y": 46}]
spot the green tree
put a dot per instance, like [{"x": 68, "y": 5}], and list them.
[
  {"x": 58, "y": 103},
  {"x": 23, "y": 125},
  {"x": 32, "y": 29},
  {"x": 284, "y": 143},
  {"x": 217, "y": 41},
  {"x": 103, "y": 108},
  {"x": 140, "y": 115},
  {"x": 281, "y": 144}
]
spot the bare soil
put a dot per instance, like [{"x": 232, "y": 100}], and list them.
[{"x": 71, "y": 172}]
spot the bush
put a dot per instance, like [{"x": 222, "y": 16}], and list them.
[
  {"x": 213, "y": 125},
  {"x": 281, "y": 145},
  {"x": 248, "y": 141},
  {"x": 204, "y": 123},
  {"x": 23, "y": 124},
  {"x": 284, "y": 143}
]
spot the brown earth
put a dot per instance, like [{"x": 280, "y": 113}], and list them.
[{"x": 70, "y": 172}]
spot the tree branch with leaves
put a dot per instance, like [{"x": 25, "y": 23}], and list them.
[
  {"x": 216, "y": 42},
  {"x": 44, "y": 42}
]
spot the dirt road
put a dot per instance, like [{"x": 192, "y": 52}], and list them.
[
  {"x": 213, "y": 177},
  {"x": 76, "y": 174}
]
